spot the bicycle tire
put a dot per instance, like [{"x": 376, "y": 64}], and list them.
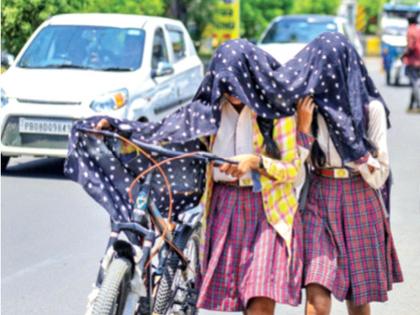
[
  {"x": 114, "y": 289},
  {"x": 165, "y": 292},
  {"x": 194, "y": 266}
]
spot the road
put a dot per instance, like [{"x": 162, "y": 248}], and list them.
[{"x": 53, "y": 234}]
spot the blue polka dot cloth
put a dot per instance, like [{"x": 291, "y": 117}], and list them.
[{"x": 328, "y": 68}]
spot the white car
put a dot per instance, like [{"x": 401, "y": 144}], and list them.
[
  {"x": 79, "y": 65},
  {"x": 287, "y": 35}
]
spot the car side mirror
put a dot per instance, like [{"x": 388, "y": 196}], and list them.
[
  {"x": 163, "y": 68},
  {"x": 6, "y": 59}
]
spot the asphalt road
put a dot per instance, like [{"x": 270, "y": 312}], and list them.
[{"x": 53, "y": 234}]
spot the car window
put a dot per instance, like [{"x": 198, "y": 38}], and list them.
[
  {"x": 88, "y": 47},
  {"x": 178, "y": 44},
  {"x": 160, "y": 51},
  {"x": 299, "y": 30}
]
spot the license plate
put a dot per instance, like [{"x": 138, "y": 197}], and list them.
[{"x": 45, "y": 126}]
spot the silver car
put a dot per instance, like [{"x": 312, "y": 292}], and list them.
[
  {"x": 79, "y": 65},
  {"x": 287, "y": 35}
]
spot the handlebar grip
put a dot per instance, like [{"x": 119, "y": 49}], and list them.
[
  {"x": 125, "y": 130},
  {"x": 215, "y": 159},
  {"x": 217, "y": 163},
  {"x": 220, "y": 161}
]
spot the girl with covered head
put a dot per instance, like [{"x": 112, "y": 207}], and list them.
[
  {"x": 252, "y": 253},
  {"x": 252, "y": 245},
  {"x": 348, "y": 245}
]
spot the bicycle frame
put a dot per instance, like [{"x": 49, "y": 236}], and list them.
[
  {"x": 140, "y": 255},
  {"x": 135, "y": 240}
]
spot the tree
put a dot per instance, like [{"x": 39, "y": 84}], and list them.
[
  {"x": 20, "y": 18},
  {"x": 146, "y": 7},
  {"x": 195, "y": 14},
  {"x": 257, "y": 14},
  {"x": 316, "y": 7},
  {"x": 372, "y": 10}
]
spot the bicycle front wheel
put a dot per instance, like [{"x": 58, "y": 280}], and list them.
[
  {"x": 178, "y": 289},
  {"x": 114, "y": 289}
]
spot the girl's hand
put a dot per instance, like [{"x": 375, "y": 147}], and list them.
[
  {"x": 103, "y": 124},
  {"x": 305, "y": 110},
  {"x": 247, "y": 162}
]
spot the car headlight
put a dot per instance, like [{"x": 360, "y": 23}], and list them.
[
  {"x": 3, "y": 98},
  {"x": 110, "y": 101}
]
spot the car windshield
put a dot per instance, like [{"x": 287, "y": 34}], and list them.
[
  {"x": 297, "y": 30},
  {"x": 395, "y": 30},
  {"x": 85, "y": 47}
]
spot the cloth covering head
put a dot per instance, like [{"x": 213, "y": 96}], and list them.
[{"x": 328, "y": 68}]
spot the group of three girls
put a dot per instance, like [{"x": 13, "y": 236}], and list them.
[{"x": 317, "y": 120}]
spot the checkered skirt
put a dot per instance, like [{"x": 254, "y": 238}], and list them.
[
  {"x": 244, "y": 257},
  {"x": 348, "y": 246}
]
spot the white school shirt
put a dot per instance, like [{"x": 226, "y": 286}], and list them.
[
  {"x": 234, "y": 137},
  {"x": 376, "y": 134}
]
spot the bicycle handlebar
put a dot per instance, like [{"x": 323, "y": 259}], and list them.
[{"x": 200, "y": 155}]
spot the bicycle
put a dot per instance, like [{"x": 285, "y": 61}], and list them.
[{"x": 132, "y": 279}]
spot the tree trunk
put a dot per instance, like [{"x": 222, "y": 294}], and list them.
[{"x": 178, "y": 10}]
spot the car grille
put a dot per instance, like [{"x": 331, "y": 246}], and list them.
[
  {"x": 30, "y": 101},
  {"x": 11, "y": 136}
]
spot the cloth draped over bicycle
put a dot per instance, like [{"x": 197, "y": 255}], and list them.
[{"x": 328, "y": 68}]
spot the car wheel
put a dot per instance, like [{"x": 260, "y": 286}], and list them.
[{"x": 4, "y": 161}]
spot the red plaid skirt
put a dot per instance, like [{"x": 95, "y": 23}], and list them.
[
  {"x": 243, "y": 255},
  {"x": 348, "y": 246}
]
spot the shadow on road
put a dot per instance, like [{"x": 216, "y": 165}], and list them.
[{"x": 39, "y": 168}]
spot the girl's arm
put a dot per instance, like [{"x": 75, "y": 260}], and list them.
[
  {"x": 375, "y": 170},
  {"x": 305, "y": 110},
  {"x": 305, "y": 113},
  {"x": 283, "y": 170},
  {"x": 286, "y": 169}
]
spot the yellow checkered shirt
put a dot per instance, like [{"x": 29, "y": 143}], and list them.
[{"x": 278, "y": 193}]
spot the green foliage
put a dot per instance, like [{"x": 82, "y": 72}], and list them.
[
  {"x": 316, "y": 7},
  {"x": 372, "y": 10},
  {"x": 195, "y": 14},
  {"x": 149, "y": 7},
  {"x": 257, "y": 14},
  {"x": 19, "y": 18},
  {"x": 410, "y": 2}
]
